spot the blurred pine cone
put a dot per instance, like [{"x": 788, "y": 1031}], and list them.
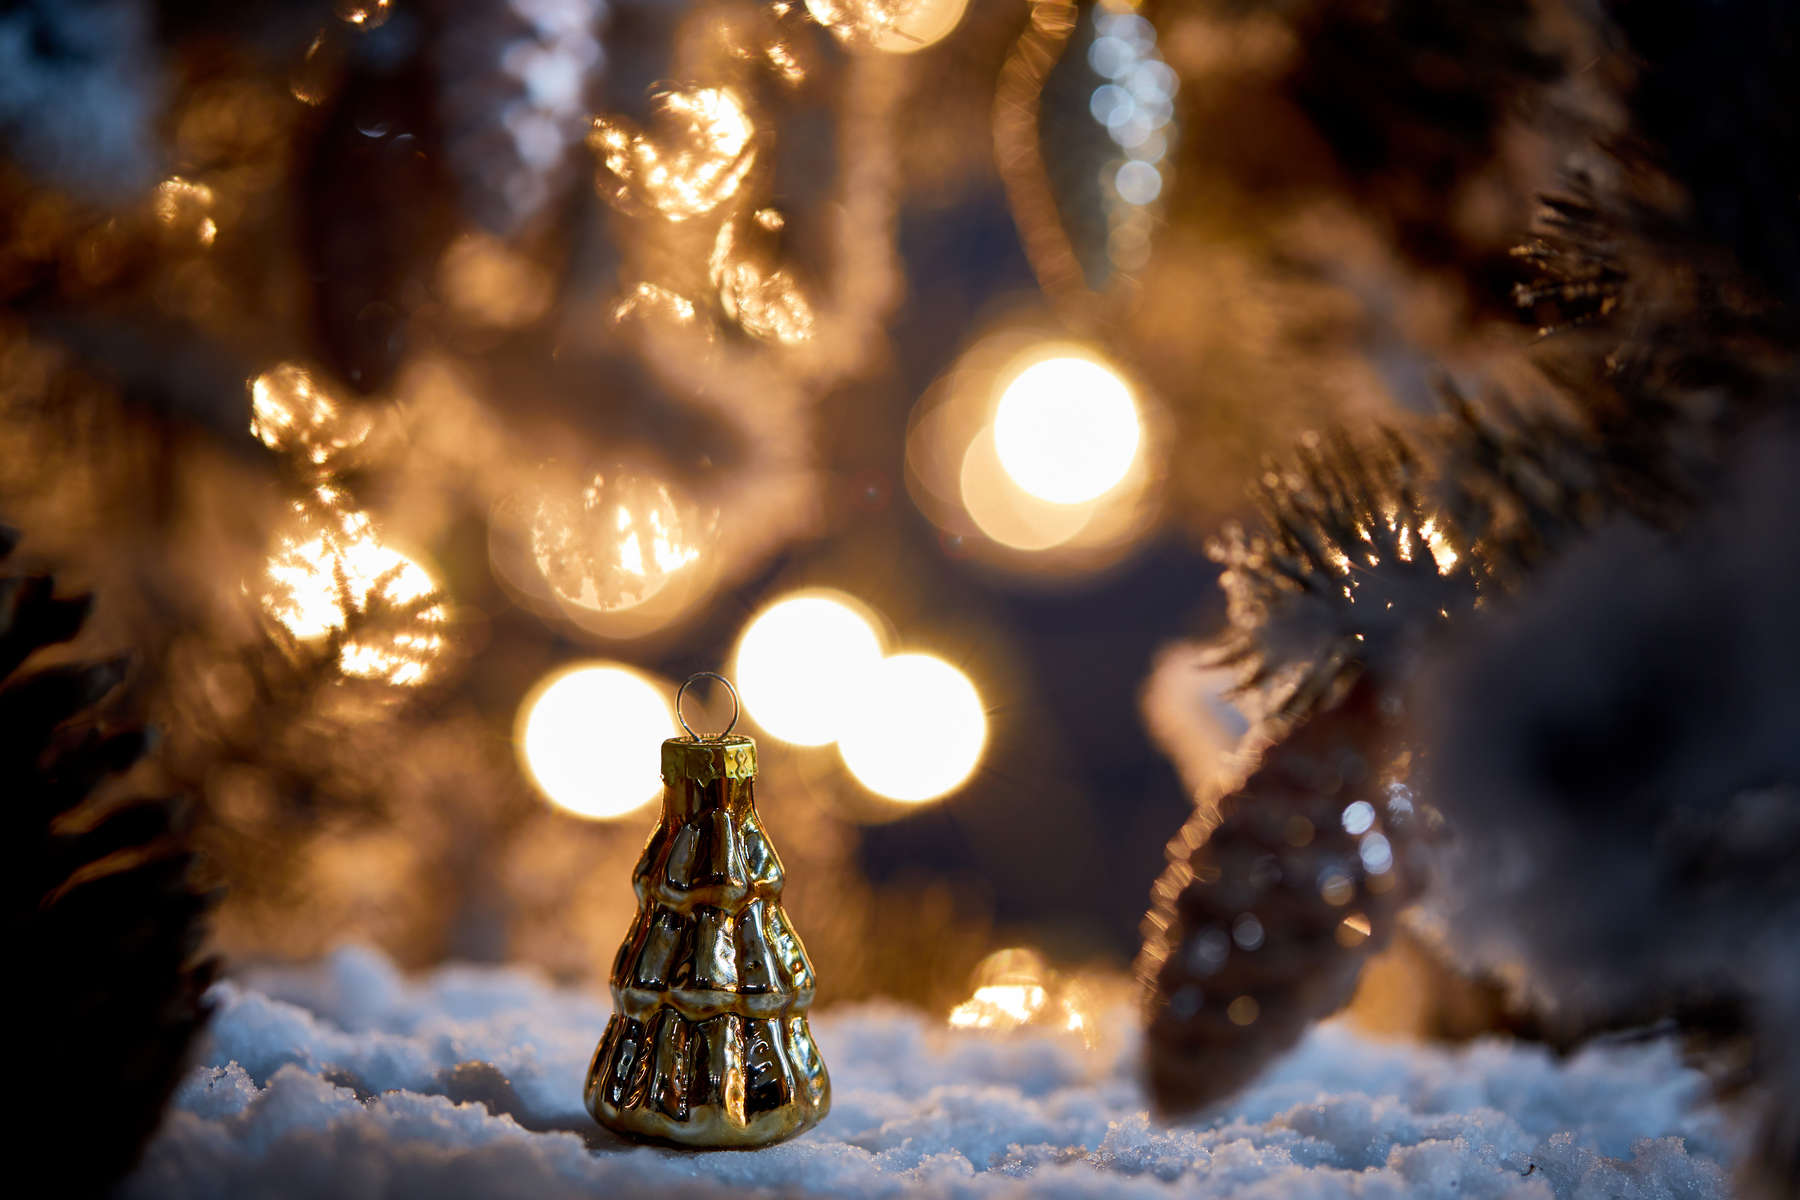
[
  {"x": 103, "y": 921},
  {"x": 1273, "y": 900}
]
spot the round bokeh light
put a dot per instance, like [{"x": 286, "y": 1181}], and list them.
[
  {"x": 1067, "y": 429},
  {"x": 796, "y": 660},
  {"x": 592, "y": 736},
  {"x": 916, "y": 729}
]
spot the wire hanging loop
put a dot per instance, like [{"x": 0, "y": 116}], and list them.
[{"x": 682, "y": 691}]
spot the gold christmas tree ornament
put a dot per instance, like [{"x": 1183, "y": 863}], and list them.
[{"x": 708, "y": 1044}]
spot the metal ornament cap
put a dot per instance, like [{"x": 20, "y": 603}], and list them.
[{"x": 708, "y": 1045}]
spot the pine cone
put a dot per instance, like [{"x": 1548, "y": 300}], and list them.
[
  {"x": 102, "y": 919},
  {"x": 1273, "y": 901}
]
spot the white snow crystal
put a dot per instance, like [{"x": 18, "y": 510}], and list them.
[{"x": 344, "y": 1079}]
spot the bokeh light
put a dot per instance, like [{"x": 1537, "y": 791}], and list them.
[
  {"x": 1007, "y": 514},
  {"x": 344, "y": 580},
  {"x": 612, "y": 546},
  {"x": 363, "y": 14},
  {"x": 591, "y": 739},
  {"x": 890, "y": 26},
  {"x": 1066, "y": 429},
  {"x": 1074, "y": 426},
  {"x": 699, "y": 149},
  {"x": 291, "y": 412},
  {"x": 914, "y": 730},
  {"x": 1016, "y": 987},
  {"x": 800, "y": 659}
]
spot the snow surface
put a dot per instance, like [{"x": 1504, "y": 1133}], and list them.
[{"x": 346, "y": 1079}]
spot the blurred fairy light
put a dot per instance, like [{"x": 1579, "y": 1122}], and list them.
[
  {"x": 1007, "y": 514},
  {"x": 1137, "y": 107},
  {"x": 1015, "y": 988},
  {"x": 914, "y": 730},
  {"x": 291, "y": 413},
  {"x": 800, "y": 661},
  {"x": 591, "y": 739},
  {"x": 612, "y": 546},
  {"x": 364, "y": 14},
  {"x": 1035, "y": 445},
  {"x": 1066, "y": 429},
  {"x": 890, "y": 26},
  {"x": 701, "y": 149},
  {"x": 338, "y": 580},
  {"x": 183, "y": 206}
]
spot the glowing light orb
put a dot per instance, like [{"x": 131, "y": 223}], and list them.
[
  {"x": 613, "y": 546},
  {"x": 345, "y": 581},
  {"x": 184, "y": 206},
  {"x": 1007, "y": 514},
  {"x": 797, "y": 661},
  {"x": 916, "y": 729},
  {"x": 1067, "y": 429},
  {"x": 591, "y": 739},
  {"x": 891, "y": 26}
]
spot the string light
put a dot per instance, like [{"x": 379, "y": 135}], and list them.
[
  {"x": 797, "y": 660},
  {"x": 342, "y": 579},
  {"x": 1067, "y": 429},
  {"x": 290, "y": 411},
  {"x": 613, "y": 546},
  {"x": 591, "y": 739},
  {"x": 915, "y": 730}
]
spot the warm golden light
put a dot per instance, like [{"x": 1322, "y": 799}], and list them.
[
  {"x": 1016, "y": 987},
  {"x": 344, "y": 581},
  {"x": 1005, "y": 513},
  {"x": 999, "y": 1005},
  {"x": 891, "y": 26},
  {"x": 652, "y": 300},
  {"x": 614, "y": 545},
  {"x": 289, "y": 411},
  {"x": 800, "y": 659},
  {"x": 184, "y": 206},
  {"x": 1067, "y": 429},
  {"x": 364, "y": 14},
  {"x": 919, "y": 24},
  {"x": 914, "y": 730},
  {"x": 591, "y": 739},
  {"x": 703, "y": 147}
]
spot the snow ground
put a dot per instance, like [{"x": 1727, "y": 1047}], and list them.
[{"x": 346, "y": 1079}]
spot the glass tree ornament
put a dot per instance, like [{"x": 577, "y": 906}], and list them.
[{"x": 708, "y": 1045}]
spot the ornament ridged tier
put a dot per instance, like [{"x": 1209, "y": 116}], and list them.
[{"x": 708, "y": 1044}]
